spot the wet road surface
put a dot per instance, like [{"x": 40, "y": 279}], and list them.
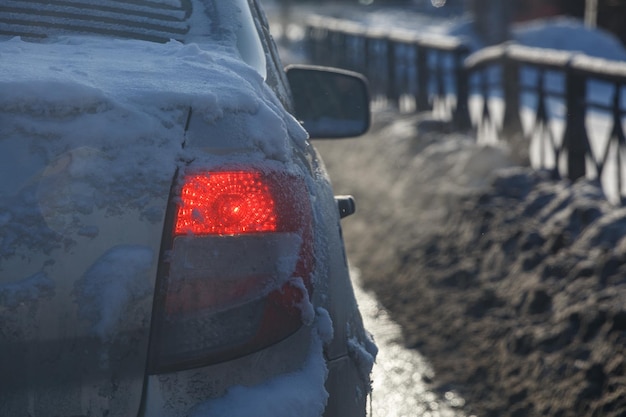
[{"x": 399, "y": 387}]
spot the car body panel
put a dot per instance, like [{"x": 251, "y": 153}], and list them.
[
  {"x": 84, "y": 275},
  {"x": 90, "y": 152}
]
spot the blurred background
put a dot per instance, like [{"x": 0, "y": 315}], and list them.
[{"x": 489, "y": 245}]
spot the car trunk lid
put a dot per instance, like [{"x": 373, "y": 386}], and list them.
[{"x": 88, "y": 151}]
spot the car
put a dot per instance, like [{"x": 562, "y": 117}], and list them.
[{"x": 170, "y": 244}]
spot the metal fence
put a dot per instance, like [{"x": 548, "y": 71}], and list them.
[
  {"x": 403, "y": 68},
  {"x": 568, "y": 106}
]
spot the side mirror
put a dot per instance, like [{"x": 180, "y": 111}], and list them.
[{"x": 330, "y": 103}]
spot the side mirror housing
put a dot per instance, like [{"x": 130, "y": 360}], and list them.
[{"x": 330, "y": 103}]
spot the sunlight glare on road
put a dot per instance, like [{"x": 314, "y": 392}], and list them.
[{"x": 398, "y": 388}]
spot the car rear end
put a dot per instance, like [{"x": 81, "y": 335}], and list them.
[{"x": 169, "y": 241}]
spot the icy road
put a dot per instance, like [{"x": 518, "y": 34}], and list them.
[{"x": 400, "y": 375}]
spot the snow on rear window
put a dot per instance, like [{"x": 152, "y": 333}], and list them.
[
  {"x": 194, "y": 21},
  {"x": 173, "y": 3}
]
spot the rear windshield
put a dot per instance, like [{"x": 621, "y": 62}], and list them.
[{"x": 205, "y": 22}]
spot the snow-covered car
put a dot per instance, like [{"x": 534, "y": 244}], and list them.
[{"x": 169, "y": 241}]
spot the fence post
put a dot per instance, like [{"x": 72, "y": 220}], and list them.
[
  {"x": 392, "y": 93},
  {"x": 461, "y": 115},
  {"x": 421, "y": 99},
  {"x": 511, "y": 124},
  {"x": 351, "y": 45},
  {"x": 338, "y": 47},
  {"x": 575, "y": 138},
  {"x": 308, "y": 40},
  {"x": 325, "y": 53},
  {"x": 367, "y": 58},
  {"x": 374, "y": 63}
]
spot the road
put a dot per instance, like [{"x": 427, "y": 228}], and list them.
[{"x": 400, "y": 376}]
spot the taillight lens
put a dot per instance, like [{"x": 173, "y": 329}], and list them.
[
  {"x": 226, "y": 203},
  {"x": 225, "y": 289}
]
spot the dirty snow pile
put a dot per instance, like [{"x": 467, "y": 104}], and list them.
[{"x": 510, "y": 283}]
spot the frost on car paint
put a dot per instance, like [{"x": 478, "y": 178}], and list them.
[
  {"x": 120, "y": 101},
  {"x": 26, "y": 290},
  {"x": 96, "y": 135},
  {"x": 111, "y": 284},
  {"x": 300, "y": 393},
  {"x": 91, "y": 137}
]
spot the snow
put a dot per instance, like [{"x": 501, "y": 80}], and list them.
[
  {"x": 121, "y": 101},
  {"x": 27, "y": 289},
  {"x": 300, "y": 393},
  {"x": 129, "y": 99},
  {"x": 305, "y": 306},
  {"x": 119, "y": 278},
  {"x": 95, "y": 72},
  {"x": 567, "y": 34},
  {"x": 99, "y": 124}
]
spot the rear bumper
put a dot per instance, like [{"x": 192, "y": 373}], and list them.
[
  {"x": 181, "y": 394},
  {"x": 291, "y": 375},
  {"x": 347, "y": 389}
]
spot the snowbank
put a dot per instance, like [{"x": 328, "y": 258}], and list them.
[
  {"x": 567, "y": 34},
  {"x": 510, "y": 283}
]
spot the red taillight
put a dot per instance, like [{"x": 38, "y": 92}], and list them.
[
  {"x": 225, "y": 203},
  {"x": 238, "y": 240}
]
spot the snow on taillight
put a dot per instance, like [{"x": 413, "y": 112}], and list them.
[{"x": 238, "y": 240}]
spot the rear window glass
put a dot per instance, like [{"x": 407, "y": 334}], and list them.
[{"x": 206, "y": 22}]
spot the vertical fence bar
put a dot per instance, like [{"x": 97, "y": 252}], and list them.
[
  {"x": 360, "y": 53},
  {"x": 461, "y": 117},
  {"x": 575, "y": 138},
  {"x": 374, "y": 64},
  {"x": 438, "y": 76},
  {"x": 325, "y": 53},
  {"x": 364, "y": 65},
  {"x": 421, "y": 100},
  {"x": 352, "y": 51},
  {"x": 618, "y": 135},
  {"x": 511, "y": 123},
  {"x": 309, "y": 39},
  {"x": 391, "y": 87},
  {"x": 337, "y": 52}
]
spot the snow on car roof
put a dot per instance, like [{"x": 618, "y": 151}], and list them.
[{"x": 125, "y": 70}]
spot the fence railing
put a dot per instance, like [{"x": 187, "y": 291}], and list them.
[
  {"x": 402, "y": 67},
  {"x": 581, "y": 94},
  {"x": 567, "y": 106}
]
